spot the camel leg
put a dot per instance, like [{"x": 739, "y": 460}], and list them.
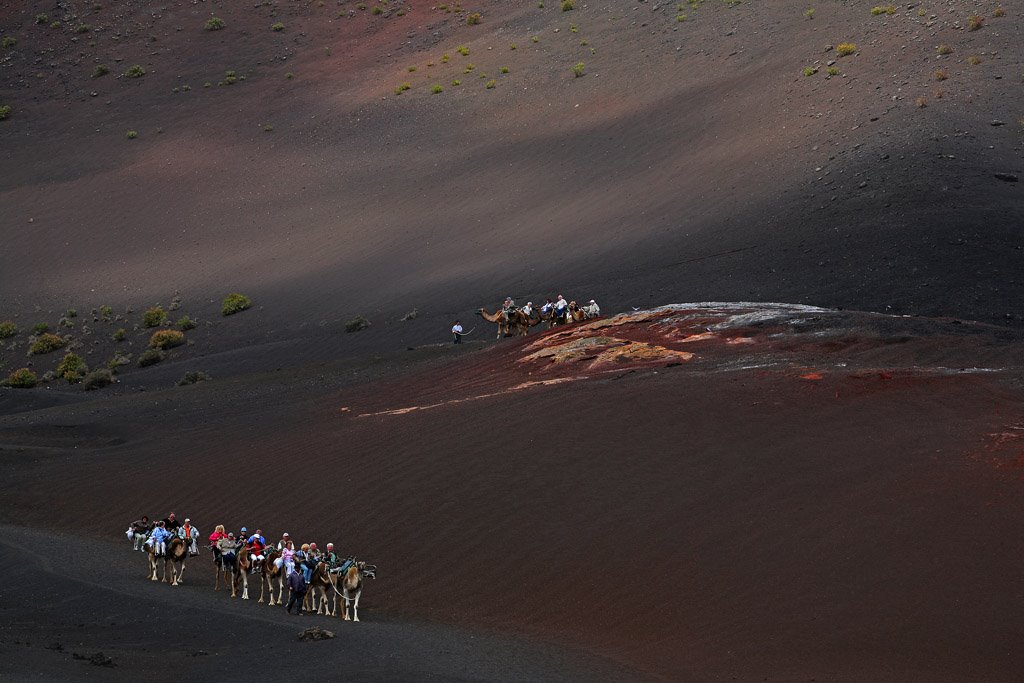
[
  {"x": 261, "y": 589},
  {"x": 181, "y": 572},
  {"x": 344, "y": 606},
  {"x": 355, "y": 607},
  {"x": 216, "y": 586}
]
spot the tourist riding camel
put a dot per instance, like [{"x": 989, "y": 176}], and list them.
[
  {"x": 171, "y": 523},
  {"x": 592, "y": 309},
  {"x": 218, "y": 533},
  {"x": 257, "y": 545},
  {"x": 158, "y": 539},
  {"x": 226, "y": 549},
  {"x": 141, "y": 529},
  {"x": 191, "y": 535}
]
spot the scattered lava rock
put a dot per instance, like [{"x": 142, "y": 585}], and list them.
[
  {"x": 315, "y": 633},
  {"x": 97, "y": 659},
  {"x": 1007, "y": 177}
]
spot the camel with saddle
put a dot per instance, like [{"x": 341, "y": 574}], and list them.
[
  {"x": 177, "y": 553},
  {"x": 511, "y": 323},
  {"x": 352, "y": 587},
  {"x": 235, "y": 572},
  {"x": 324, "y": 582},
  {"x": 268, "y": 572}
]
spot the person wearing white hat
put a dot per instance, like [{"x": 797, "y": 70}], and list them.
[
  {"x": 285, "y": 540},
  {"x": 592, "y": 310},
  {"x": 190, "y": 534}
]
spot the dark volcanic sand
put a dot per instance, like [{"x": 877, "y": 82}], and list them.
[{"x": 841, "y": 514}]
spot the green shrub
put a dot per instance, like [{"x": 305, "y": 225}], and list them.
[
  {"x": 55, "y": 24},
  {"x": 118, "y": 360},
  {"x": 8, "y": 42},
  {"x": 474, "y": 18},
  {"x": 490, "y": 84},
  {"x": 436, "y": 89},
  {"x": 568, "y": 5},
  {"x": 46, "y": 343},
  {"x": 504, "y": 69},
  {"x": 193, "y": 377},
  {"x": 119, "y": 334},
  {"x": 402, "y": 88},
  {"x": 998, "y": 12},
  {"x": 512, "y": 46},
  {"x": 154, "y": 317},
  {"x": 8, "y": 329},
  {"x": 83, "y": 28},
  {"x": 833, "y": 71},
  {"x": 40, "y": 328},
  {"x": 5, "y": 111},
  {"x": 150, "y": 357},
  {"x": 166, "y": 339},
  {"x": 534, "y": 39},
  {"x": 844, "y": 49},
  {"x": 22, "y": 379},
  {"x": 809, "y": 13},
  {"x": 377, "y": 9},
  {"x": 233, "y": 303},
  {"x": 577, "y": 69},
  {"x": 357, "y": 324},
  {"x": 186, "y": 323},
  {"x": 886, "y": 9},
  {"x": 810, "y": 70},
  {"x": 132, "y": 134},
  {"x": 72, "y": 368},
  {"x": 97, "y": 379},
  {"x": 462, "y": 50},
  {"x": 42, "y": 19},
  {"x": 456, "y": 83},
  {"x": 277, "y": 27},
  {"x": 135, "y": 71},
  {"x": 974, "y": 22},
  {"x": 944, "y": 50},
  {"x": 106, "y": 312},
  {"x": 100, "y": 70},
  {"x": 214, "y": 24}
]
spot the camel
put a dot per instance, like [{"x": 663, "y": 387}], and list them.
[
  {"x": 268, "y": 572},
  {"x": 352, "y": 587},
  {"x": 241, "y": 572},
  {"x": 576, "y": 313},
  {"x": 324, "y": 581},
  {"x": 520, "y": 323},
  {"x": 154, "y": 563},
  {"x": 234, "y": 570},
  {"x": 177, "y": 553}
]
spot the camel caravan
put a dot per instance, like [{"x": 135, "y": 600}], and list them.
[
  {"x": 316, "y": 580},
  {"x": 513, "y": 320}
]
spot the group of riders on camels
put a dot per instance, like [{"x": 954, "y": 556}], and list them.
[
  {"x": 315, "y": 578},
  {"x": 514, "y": 320}
]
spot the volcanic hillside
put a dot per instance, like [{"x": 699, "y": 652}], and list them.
[{"x": 338, "y": 158}]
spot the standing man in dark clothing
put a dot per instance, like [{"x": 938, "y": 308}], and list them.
[{"x": 297, "y": 584}]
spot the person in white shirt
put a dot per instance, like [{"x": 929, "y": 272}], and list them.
[
  {"x": 592, "y": 310},
  {"x": 457, "y": 331},
  {"x": 561, "y": 308}
]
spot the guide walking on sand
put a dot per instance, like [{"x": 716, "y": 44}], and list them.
[{"x": 457, "y": 332}]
